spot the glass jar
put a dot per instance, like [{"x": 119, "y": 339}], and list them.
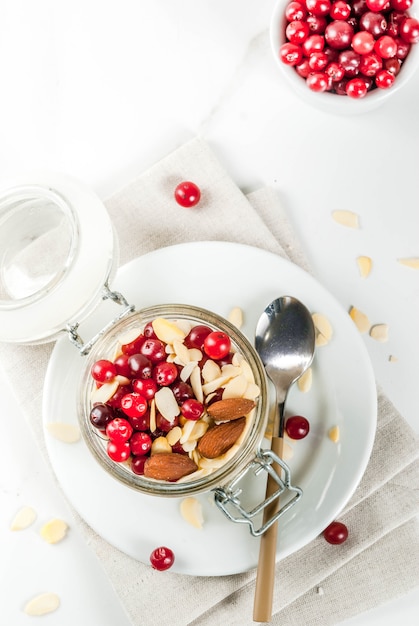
[{"x": 106, "y": 346}]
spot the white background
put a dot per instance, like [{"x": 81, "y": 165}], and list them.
[{"x": 100, "y": 91}]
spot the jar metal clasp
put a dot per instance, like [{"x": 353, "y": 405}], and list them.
[
  {"x": 107, "y": 294},
  {"x": 228, "y": 500}
]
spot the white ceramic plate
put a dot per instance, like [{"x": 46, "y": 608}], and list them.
[{"x": 219, "y": 276}]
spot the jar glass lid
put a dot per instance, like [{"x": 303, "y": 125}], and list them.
[{"x": 56, "y": 253}]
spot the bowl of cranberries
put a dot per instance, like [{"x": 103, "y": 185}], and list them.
[
  {"x": 359, "y": 50},
  {"x": 173, "y": 401}
]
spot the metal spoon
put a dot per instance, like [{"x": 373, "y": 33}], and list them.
[{"x": 285, "y": 342}]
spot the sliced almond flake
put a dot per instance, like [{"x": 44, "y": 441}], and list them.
[
  {"x": 360, "y": 319},
  {"x": 305, "y": 381},
  {"x": 172, "y": 358},
  {"x": 167, "y": 331},
  {"x": 346, "y": 218},
  {"x": 412, "y": 262},
  {"x": 67, "y": 433},
  {"x": 252, "y": 391},
  {"x": 364, "y": 265},
  {"x": 236, "y": 387},
  {"x": 122, "y": 380},
  {"x": 187, "y": 371},
  {"x": 287, "y": 451},
  {"x": 392, "y": 358},
  {"x": 129, "y": 336},
  {"x": 323, "y": 329},
  {"x": 168, "y": 348},
  {"x": 195, "y": 354},
  {"x": 153, "y": 424},
  {"x": 379, "y": 332},
  {"x": 236, "y": 317},
  {"x": 166, "y": 403},
  {"x": 23, "y": 518},
  {"x": 247, "y": 371},
  {"x": 174, "y": 435},
  {"x": 210, "y": 371},
  {"x": 334, "y": 433},
  {"x": 42, "y": 604},
  {"x": 215, "y": 384},
  {"x": 188, "y": 446},
  {"x": 230, "y": 370},
  {"x": 54, "y": 530},
  {"x": 199, "y": 429},
  {"x": 196, "y": 384},
  {"x": 105, "y": 392},
  {"x": 200, "y": 473},
  {"x": 191, "y": 511},
  {"x": 184, "y": 325},
  {"x": 182, "y": 352},
  {"x": 159, "y": 445},
  {"x": 186, "y": 431}
]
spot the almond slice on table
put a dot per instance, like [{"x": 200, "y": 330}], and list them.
[
  {"x": 23, "y": 518},
  {"x": 334, "y": 434},
  {"x": 67, "y": 433},
  {"x": 220, "y": 438},
  {"x": 346, "y": 218},
  {"x": 323, "y": 329},
  {"x": 412, "y": 262},
  {"x": 379, "y": 332},
  {"x": 169, "y": 466},
  {"x": 42, "y": 604},
  {"x": 305, "y": 381},
  {"x": 364, "y": 265},
  {"x": 191, "y": 511},
  {"x": 230, "y": 409},
  {"x": 236, "y": 317},
  {"x": 54, "y": 530},
  {"x": 360, "y": 320}
]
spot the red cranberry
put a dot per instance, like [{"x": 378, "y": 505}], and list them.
[
  {"x": 314, "y": 43},
  {"x": 340, "y": 10},
  {"x": 338, "y": 34},
  {"x": 122, "y": 366},
  {"x": 386, "y": 47},
  {"x": 103, "y": 371},
  {"x": 318, "y": 7},
  {"x": 318, "y": 82},
  {"x": 350, "y": 61},
  {"x": 217, "y": 345},
  {"x": 317, "y": 24},
  {"x": 297, "y": 427},
  {"x": 295, "y": 11},
  {"x": 378, "y": 5},
  {"x": 370, "y": 64},
  {"x": 137, "y": 464},
  {"x": 336, "y": 533},
  {"x": 187, "y": 194},
  {"x": 146, "y": 387},
  {"x": 335, "y": 72},
  {"x": 409, "y": 30},
  {"x": 356, "y": 88},
  {"x": 363, "y": 42},
  {"x": 318, "y": 61},
  {"x": 373, "y": 23},
  {"x": 384, "y": 79},
  {"x": 162, "y": 558},
  {"x": 297, "y": 32},
  {"x": 134, "y": 405},
  {"x": 119, "y": 430},
  {"x": 196, "y": 336},
  {"x": 192, "y": 409},
  {"x": 118, "y": 451},
  {"x": 140, "y": 366},
  {"x": 140, "y": 443},
  {"x": 164, "y": 374},
  {"x": 101, "y": 415},
  {"x": 133, "y": 346},
  {"x": 290, "y": 54}
]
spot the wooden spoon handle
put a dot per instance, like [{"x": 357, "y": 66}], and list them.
[{"x": 265, "y": 577}]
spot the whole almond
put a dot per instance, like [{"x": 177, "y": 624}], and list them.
[
  {"x": 230, "y": 409},
  {"x": 169, "y": 466},
  {"x": 220, "y": 438}
]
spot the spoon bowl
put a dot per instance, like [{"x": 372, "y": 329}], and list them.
[{"x": 285, "y": 340}]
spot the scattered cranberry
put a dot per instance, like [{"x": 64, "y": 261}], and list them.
[
  {"x": 187, "y": 194},
  {"x": 217, "y": 345},
  {"x": 297, "y": 427},
  {"x": 336, "y": 533},
  {"x": 358, "y": 37},
  {"x": 196, "y": 336},
  {"x": 146, "y": 387},
  {"x": 164, "y": 374},
  {"x": 162, "y": 558}
]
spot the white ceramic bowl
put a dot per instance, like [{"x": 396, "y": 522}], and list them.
[{"x": 332, "y": 102}]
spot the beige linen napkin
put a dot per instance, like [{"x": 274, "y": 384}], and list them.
[{"x": 320, "y": 584}]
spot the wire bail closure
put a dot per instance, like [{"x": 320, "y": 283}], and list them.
[
  {"x": 107, "y": 294},
  {"x": 228, "y": 498}
]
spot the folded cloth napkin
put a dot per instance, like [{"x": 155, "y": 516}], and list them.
[{"x": 319, "y": 584}]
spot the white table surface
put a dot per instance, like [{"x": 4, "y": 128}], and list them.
[{"x": 100, "y": 91}]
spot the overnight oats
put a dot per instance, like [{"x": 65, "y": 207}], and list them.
[{"x": 174, "y": 400}]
